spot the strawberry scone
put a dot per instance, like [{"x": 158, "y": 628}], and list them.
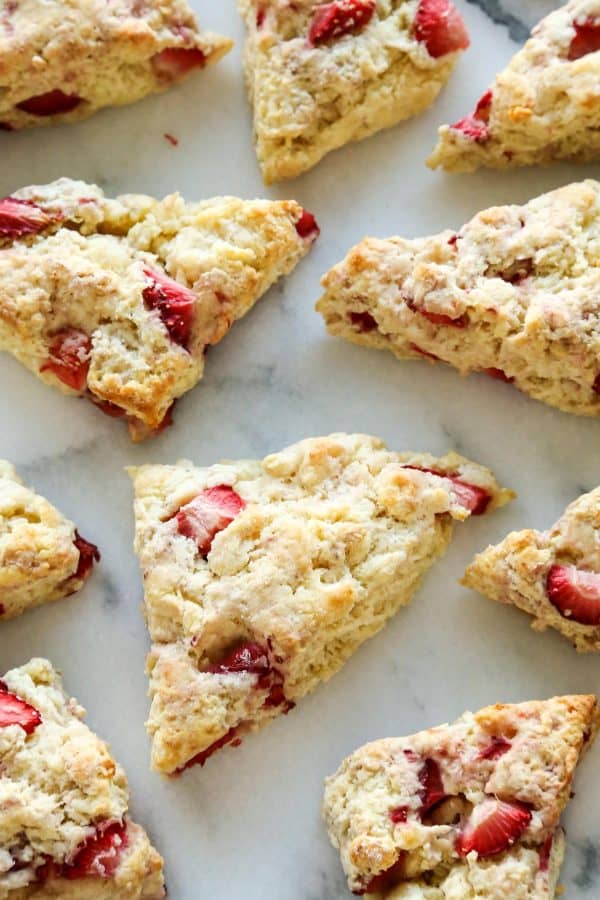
[
  {"x": 118, "y": 300},
  {"x": 261, "y": 578},
  {"x": 463, "y": 811},
  {"x": 544, "y": 106},
  {"x": 513, "y": 294},
  {"x": 322, "y": 74},
  {"x": 552, "y": 575},
  {"x": 65, "y": 830},
  {"x": 62, "y": 61},
  {"x": 42, "y": 556}
]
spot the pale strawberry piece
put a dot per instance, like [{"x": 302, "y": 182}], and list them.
[
  {"x": 475, "y": 126},
  {"x": 471, "y": 496},
  {"x": 493, "y": 826},
  {"x": 363, "y": 321},
  {"x": 14, "y": 711},
  {"x": 437, "y": 318},
  {"x": 249, "y": 657},
  {"x": 100, "y": 856},
  {"x": 307, "y": 226},
  {"x": 334, "y": 20},
  {"x": 175, "y": 62},
  {"x": 69, "y": 358},
  {"x": 545, "y": 853},
  {"x": 575, "y": 593},
  {"x": 88, "y": 554},
  {"x": 439, "y": 25},
  {"x": 21, "y": 217},
  {"x": 586, "y": 39},
  {"x": 498, "y": 374},
  {"x": 495, "y": 749},
  {"x": 175, "y": 304},
  {"x": 51, "y": 103},
  {"x": 207, "y": 514}
]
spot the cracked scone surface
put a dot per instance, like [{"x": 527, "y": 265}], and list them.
[
  {"x": 513, "y": 294},
  {"x": 317, "y": 83},
  {"x": 60, "y": 62},
  {"x": 543, "y": 107},
  {"x": 468, "y": 810},
  {"x": 64, "y": 825},
  {"x": 553, "y": 575},
  {"x": 118, "y": 299},
  {"x": 42, "y": 556},
  {"x": 262, "y": 577}
]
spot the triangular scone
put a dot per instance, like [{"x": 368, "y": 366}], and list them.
[
  {"x": 64, "y": 824},
  {"x": 552, "y": 575},
  {"x": 118, "y": 300},
  {"x": 262, "y": 577},
  {"x": 512, "y": 294},
  {"x": 544, "y": 106},
  {"x": 462, "y": 811},
  {"x": 42, "y": 556},
  {"x": 322, "y": 74},
  {"x": 95, "y": 53}
]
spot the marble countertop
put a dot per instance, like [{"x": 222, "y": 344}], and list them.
[{"x": 247, "y": 826}]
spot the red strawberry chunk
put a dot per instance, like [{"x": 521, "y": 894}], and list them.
[
  {"x": 499, "y": 374},
  {"x": 334, "y": 20},
  {"x": 545, "y": 852},
  {"x": 207, "y": 514},
  {"x": 52, "y": 103},
  {"x": 99, "y": 857},
  {"x": 69, "y": 358},
  {"x": 14, "y": 711},
  {"x": 88, "y": 554},
  {"x": 385, "y": 880},
  {"x": 175, "y": 304},
  {"x": 433, "y": 787},
  {"x": 471, "y": 496},
  {"x": 249, "y": 657},
  {"x": 261, "y": 15},
  {"x": 495, "y": 749},
  {"x": 175, "y": 62},
  {"x": 307, "y": 227},
  {"x": 108, "y": 408},
  {"x": 21, "y": 217},
  {"x": 575, "y": 593},
  {"x": 586, "y": 39},
  {"x": 199, "y": 759},
  {"x": 363, "y": 321},
  {"x": 439, "y": 25},
  {"x": 596, "y": 384},
  {"x": 493, "y": 826},
  {"x": 475, "y": 126},
  {"x": 424, "y": 352},
  {"x": 398, "y": 815}
]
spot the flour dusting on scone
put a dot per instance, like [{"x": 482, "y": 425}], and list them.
[
  {"x": 512, "y": 294},
  {"x": 118, "y": 300},
  {"x": 463, "y": 811},
  {"x": 322, "y": 74},
  {"x": 42, "y": 556},
  {"x": 62, "y": 61},
  {"x": 65, "y": 830},
  {"x": 552, "y": 575},
  {"x": 543, "y": 107},
  {"x": 261, "y": 578}
]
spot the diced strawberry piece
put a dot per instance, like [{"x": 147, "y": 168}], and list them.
[
  {"x": 363, "y": 321},
  {"x": 498, "y": 374},
  {"x": 471, "y": 496},
  {"x": 385, "y": 880},
  {"x": 2, "y": 609},
  {"x": 424, "y": 352},
  {"x": 52, "y": 103},
  {"x": 475, "y": 126},
  {"x": 88, "y": 554},
  {"x": 175, "y": 62},
  {"x": 277, "y": 697},
  {"x": 14, "y": 711},
  {"x": 249, "y": 657},
  {"x": 575, "y": 593},
  {"x": 108, "y": 408},
  {"x": 261, "y": 14},
  {"x": 586, "y": 39},
  {"x": 439, "y": 25},
  {"x": 453, "y": 241},
  {"x": 433, "y": 787},
  {"x": 21, "y": 217},
  {"x": 596, "y": 384},
  {"x": 496, "y": 748},
  {"x": 545, "y": 852},
  {"x": 207, "y": 514},
  {"x": 307, "y": 227},
  {"x": 398, "y": 815},
  {"x": 200, "y": 758},
  {"x": 437, "y": 318},
  {"x": 341, "y": 17},
  {"x": 99, "y": 857},
  {"x": 69, "y": 358},
  {"x": 175, "y": 304},
  {"x": 493, "y": 826}
]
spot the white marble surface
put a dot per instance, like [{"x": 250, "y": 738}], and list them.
[{"x": 247, "y": 826}]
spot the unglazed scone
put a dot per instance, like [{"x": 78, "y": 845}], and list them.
[
  {"x": 552, "y": 575},
  {"x": 322, "y": 74},
  {"x": 543, "y": 107},
  {"x": 118, "y": 300},
  {"x": 63, "y": 60},
  {"x": 42, "y": 556},
  {"x": 64, "y": 824},
  {"x": 463, "y": 811},
  {"x": 513, "y": 294},
  {"x": 262, "y": 577}
]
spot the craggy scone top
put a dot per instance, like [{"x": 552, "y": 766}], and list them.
[
  {"x": 42, "y": 556},
  {"x": 64, "y": 828},
  {"x": 465, "y": 810},
  {"x": 117, "y": 300},
  {"x": 512, "y": 294},
  {"x": 62, "y": 61},
  {"x": 322, "y": 74},
  {"x": 262, "y": 577}
]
